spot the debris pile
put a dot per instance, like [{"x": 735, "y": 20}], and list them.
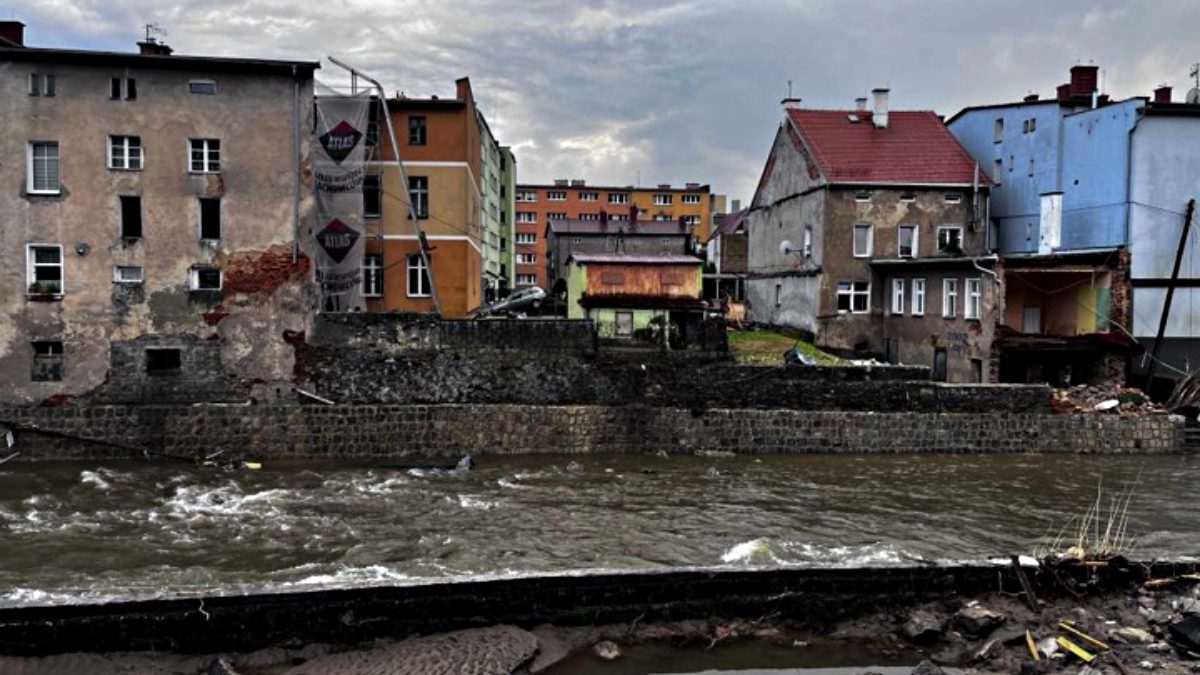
[{"x": 1103, "y": 399}]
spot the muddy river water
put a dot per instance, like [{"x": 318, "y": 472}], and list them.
[{"x": 72, "y": 531}]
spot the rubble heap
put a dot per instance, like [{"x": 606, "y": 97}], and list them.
[{"x": 1098, "y": 398}]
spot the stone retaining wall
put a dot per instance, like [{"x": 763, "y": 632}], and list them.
[{"x": 290, "y": 431}]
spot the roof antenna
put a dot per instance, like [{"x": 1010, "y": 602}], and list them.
[
  {"x": 154, "y": 29},
  {"x": 789, "y": 89}
]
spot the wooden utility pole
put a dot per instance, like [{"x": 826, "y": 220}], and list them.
[{"x": 1166, "y": 311}]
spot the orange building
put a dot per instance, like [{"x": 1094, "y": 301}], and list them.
[
  {"x": 439, "y": 144},
  {"x": 536, "y": 204}
]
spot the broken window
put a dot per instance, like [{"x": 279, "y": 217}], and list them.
[
  {"x": 949, "y": 298},
  {"x": 44, "y": 269},
  {"x": 205, "y": 278},
  {"x": 131, "y": 217},
  {"x": 130, "y": 89},
  {"x": 950, "y": 240},
  {"x": 125, "y": 152},
  {"x": 371, "y": 194},
  {"x": 417, "y": 131},
  {"x": 862, "y": 240},
  {"x": 210, "y": 218},
  {"x": 372, "y": 275},
  {"x": 854, "y": 296},
  {"x": 47, "y": 363},
  {"x": 161, "y": 360},
  {"x": 205, "y": 155},
  {"x": 907, "y": 245},
  {"x": 43, "y": 167}
]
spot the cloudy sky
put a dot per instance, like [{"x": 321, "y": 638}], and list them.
[{"x": 671, "y": 91}]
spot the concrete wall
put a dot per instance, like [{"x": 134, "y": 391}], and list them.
[
  {"x": 277, "y": 432},
  {"x": 1095, "y": 175},
  {"x": 265, "y": 291}
]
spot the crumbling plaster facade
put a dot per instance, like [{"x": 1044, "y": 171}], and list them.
[{"x": 266, "y": 287}]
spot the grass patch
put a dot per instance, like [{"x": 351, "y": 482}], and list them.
[{"x": 767, "y": 347}]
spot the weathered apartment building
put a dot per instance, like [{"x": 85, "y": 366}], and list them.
[
  {"x": 452, "y": 170},
  {"x": 575, "y": 199},
  {"x": 153, "y": 204},
  {"x": 1087, "y": 209},
  {"x": 868, "y": 231}
]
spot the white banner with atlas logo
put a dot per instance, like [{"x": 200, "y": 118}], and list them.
[{"x": 338, "y": 168}]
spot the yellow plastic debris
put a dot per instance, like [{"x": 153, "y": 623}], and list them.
[
  {"x": 1070, "y": 628},
  {"x": 253, "y": 466},
  {"x": 1075, "y": 649},
  {"x": 1032, "y": 646}
]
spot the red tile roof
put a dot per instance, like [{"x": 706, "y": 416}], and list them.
[{"x": 915, "y": 148}]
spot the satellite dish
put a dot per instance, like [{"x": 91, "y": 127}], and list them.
[
  {"x": 1193, "y": 96},
  {"x": 785, "y": 247}
]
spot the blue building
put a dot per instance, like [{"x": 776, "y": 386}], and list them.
[{"x": 1087, "y": 208}]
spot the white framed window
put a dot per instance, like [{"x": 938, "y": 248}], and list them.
[
  {"x": 690, "y": 199},
  {"x": 663, "y": 200},
  {"x": 204, "y": 155},
  {"x": 44, "y": 269},
  {"x": 204, "y": 278},
  {"x": 854, "y": 297},
  {"x": 556, "y": 215},
  {"x": 618, "y": 216},
  {"x": 918, "y": 297},
  {"x": 589, "y": 216},
  {"x": 418, "y": 277},
  {"x": 950, "y": 240},
  {"x": 557, "y": 195},
  {"x": 372, "y": 195},
  {"x": 127, "y": 274},
  {"x": 526, "y": 279},
  {"x": 862, "y": 240},
  {"x": 526, "y": 238},
  {"x": 118, "y": 85},
  {"x": 526, "y": 258},
  {"x": 526, "y": 216},
  {"x": 661, "y": 218},
  {"x": 125, "y": 153},
  {"x": 43, "y": 168},
  {"x": 952, "y": 197},
  {"x": 974, "y": 297},
  {"x": 691, "y": 220},
  {"x": 949, "y": 298},
  {"x": 418, "y": 195},
  {"x": 589, "y": 196},
  {"x": 372, "y": 275},
  {"x": 202, "y": 87},
  {"x": 526, "y": 196},
  {"x": 862, "y": 195},
  {"x": 897, "y": 296},
  {"x": 906, "y": 245},
  {"x": 808, "y": 245},
  {"x": 618, "y": 198},
  {"x": 41, "y": 84}
]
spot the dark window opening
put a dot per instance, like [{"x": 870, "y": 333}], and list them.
[
  {"x": 416, "y": 130},
  {"x": 114, "y": 89},
  {"x": 210, "y": 218},
  {"x": 131, "y": 217},
  {"x": 47, "y": 361},
  {"x": 130, "y": 89},
  {"x": 49, "y": 85},
  {"x": 163, "y": 361},
  {"x": 206, "y": 278},
  {"x": 371, "y": 202}
]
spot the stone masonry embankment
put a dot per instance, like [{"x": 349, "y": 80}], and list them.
[{"x": 377, "y": 431}]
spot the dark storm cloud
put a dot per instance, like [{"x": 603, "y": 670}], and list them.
[{"x": 675, "y": 91}]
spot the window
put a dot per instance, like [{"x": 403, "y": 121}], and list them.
[
  {"x": 127, "y": 274},
  {"x": 1024, "y": 126},
  {"x": 163, "y": 361},
  {"x": 589, "y": 216},
  {"x": 371, "y": 195},
  {"x": 862, "y": 195},
  {"x": 692, "y": 221},
  {"x": 526, "y": 258},
  {"x": 47, "y": 363},
  {"x": 1030, "y": 166},
  {"x": 908, "y": 197},
  {"x": 125, "y": 152},
  {"x": 778, "y": 295},
  {"x": 690, "y": 199},
  {"x": 907, "y": 245},
  {"x": 663, "y": 200},
  {"x": 949, "y": 298},
  {"x": 952, "y": 198},
  {"x": 589, "y": 196},
  {"x": 854, "y": 297},
  {"x": 372, "y": 275},
  {"x": 618, "y": 198},
  {"x": 43, "y": 168},
  {"x": 41, "y": 84},
  {"x": 624, "y": 324},
  {"x": 131, "y": 217},
  {"x": 556, "y": 215},
  {"x": 918, "y": 297},
  {"x": 526, "y": 217},
  {"x": 807, "y": 241},
  {"x": 556, "y": 196},
  {"x": 1032, "y": 124},
  {"x": 203, "y": 87},
  {"x": 862, "y": 240},
  {"x": 526, "y": 279},
  {"x": 950, "y": 240},
  {"x": 130, "y": 89},
  {"x": 418, "y": 277},
  {"x": 662, "y": 218},
  {"x": 44, "y": 269},
  {"x": 998, "y": 130},
  {"x": 526, "y": 238},
  {"x": 977, "y": 369},
  {"x": 418, "y": 195},
  {"x": 526, "y": 196},
  {"x": 210, "y": 219},
  {"x": 997, "y": 169},
  {"x": 127, "y": 85},
  {"x": 618, "y": 216},
  {"x": 205, "y": 155},
  {"x": 417, "y": 132},
  {"x": 897, "y": 296},
  {"x": 974, "y": 293},
  {"x": 1011, "y": 163},
  {"x": 204, "y": 278}
]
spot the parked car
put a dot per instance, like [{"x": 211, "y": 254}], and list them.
[{"x": 519, "y": 302}]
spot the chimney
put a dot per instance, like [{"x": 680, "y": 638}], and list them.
[
  {"x": 462, "y": 89},
  {"x": 789, "y": 103},
  {"x": 1084, "y": 80},
  {"x": 664, "y": 186},
  {"x": 880, "y": 114},
  {"x": 12, "y": 31},
  {"x": 154, "y": 48},
  {"x": 1063, "y": 93},
  {"x": 1162, "y": 94},
  {"x": 737, "y": 203},
  {"x": 860, "y": 104},
  {"x": 1030, "y": 98},
  {"x": 691, "y": 186}
]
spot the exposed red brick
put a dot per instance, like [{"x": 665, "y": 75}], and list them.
[
  {"x": 56, "y": 400},
  {"x": 214, "y": 317},
  {"x": 251, "y": 272}
]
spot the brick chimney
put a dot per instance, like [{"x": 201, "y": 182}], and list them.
[
  {"x": 880, "y": 114},
  {"x": 1030, "y": 98},
  {"x": 12, "y": 31},
  {"x": 1063, "y": 92},
  {"x": 561, "y": 182},
  {"x": 154, "y": 48},
  {"x": 1084, "y": 80},
  {"x": 1162, "y": 94}
]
